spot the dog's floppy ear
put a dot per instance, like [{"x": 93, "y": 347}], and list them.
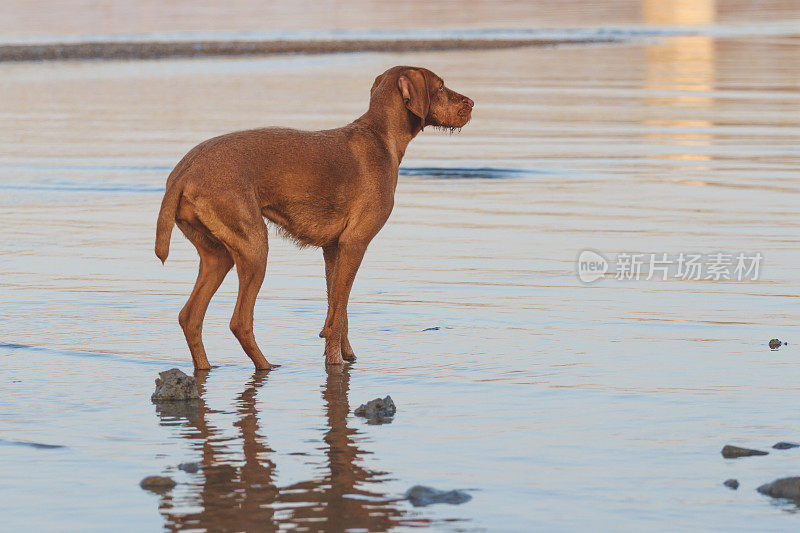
[{"x": 414, "y": 90}]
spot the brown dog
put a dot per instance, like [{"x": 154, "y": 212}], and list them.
[{"x": 332, "y": 188}]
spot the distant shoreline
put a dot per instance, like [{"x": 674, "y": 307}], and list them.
[{"x": 132, "y": 50}]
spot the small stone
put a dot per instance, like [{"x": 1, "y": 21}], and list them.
[
  {"x": 775, "y": 344},
  {"x": 731, "y": 483},
  {"x": 173, "y": 385},
  {"x": 377, "y": 411},
  {"x": 733, "y": 452},
  {"x": 157, "y": 484},
  {"x": 785, "y": 445},
  {"x": 189, "y": 467},
  {"x": 420, "y": 496},
  {"x": 788, "y": 487}
]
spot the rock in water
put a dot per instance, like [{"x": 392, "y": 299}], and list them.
[
  {"x": 377, "y": 411},
  {"x": 157, "y": 484},
  {"x": 191, "y": 468},
  {"x": 173, "y": 385},
  {"x": 732, "y": 452},
  {"x": 731, "y": 484},
  {"x": 775, "y": 344},
  {"x": 788, "y": 487},
  {"x": 785, "y": 445},
  {"x": 420, "y": 496}
]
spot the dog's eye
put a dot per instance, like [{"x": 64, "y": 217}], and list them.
[{"x": 441, "y": 88}]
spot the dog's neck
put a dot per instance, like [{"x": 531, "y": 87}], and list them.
[{"x": 397, "y": 126}]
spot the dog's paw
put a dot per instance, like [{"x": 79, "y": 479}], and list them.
[
  {"x": 334, "y": 358},
  {"x": 266, "y": 368},
  {"x": 350, "y": 357}
]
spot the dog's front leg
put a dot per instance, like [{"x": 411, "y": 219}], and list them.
[
  {"x": 346, "y": 259},
  {"x": 330, "y": 255},
  {"x": 347, "y": 351}
]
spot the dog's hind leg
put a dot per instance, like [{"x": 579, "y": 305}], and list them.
[
  {"x": 236, "y": 222},
  {"x": 250, "y": 255},
  {"x": 215, "y": 263}
]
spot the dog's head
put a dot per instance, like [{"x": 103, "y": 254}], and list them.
[{"x": 425, "y": 96}]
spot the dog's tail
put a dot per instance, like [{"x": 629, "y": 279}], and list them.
[{"x": 166, "y": 217}]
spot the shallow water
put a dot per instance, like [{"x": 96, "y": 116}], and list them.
[{"x": 557, "y": 404}]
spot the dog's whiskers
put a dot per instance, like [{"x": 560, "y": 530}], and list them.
[{"x": 449, "y": 129}]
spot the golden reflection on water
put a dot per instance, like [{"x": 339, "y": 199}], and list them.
[
  {"x": 243, "y": 495},
  {"x": 674, "y": 12},
  {"x": 680, "y": 73}
]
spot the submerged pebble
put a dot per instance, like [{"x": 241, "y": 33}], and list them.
[
  {"x": 377, "y": 411},
  {"x": 732, "y": 483},
  {"x": 420, "y": 496},
  {"x": 189, "y": 467},
  {"x": 785, "y": 445},
  {"x": 157, "y": 484},
  {"x": 788, "y": 487},
  {"x": 732, "y": 452},
  {"x": 173, "y": 385}
]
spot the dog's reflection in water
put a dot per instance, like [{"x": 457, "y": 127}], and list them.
[{"x": 242, "y": 496}]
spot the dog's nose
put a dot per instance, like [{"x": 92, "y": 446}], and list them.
[{"x": 469, "y": 101}]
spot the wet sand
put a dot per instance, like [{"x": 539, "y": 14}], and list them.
[
  {"x": 159, "y": 50},
  {"x": 555, "y": 403}
]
